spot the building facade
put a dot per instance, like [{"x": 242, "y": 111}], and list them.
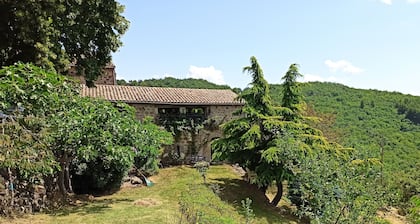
[{"x": 193, "y": 115}]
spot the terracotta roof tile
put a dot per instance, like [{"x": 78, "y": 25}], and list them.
[{"x": 162, "y": 95}]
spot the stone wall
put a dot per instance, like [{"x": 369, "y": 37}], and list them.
[
  {"x": 145, "y": 110},
  {"x": 223, "y": 113},
  {"x": 108, "y": 77},
  {"x": 189, "y": 146}
]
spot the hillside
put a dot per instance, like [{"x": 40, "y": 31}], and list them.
[
  {"x": 367, "y": 120},
  {"x": 174, "y": 82}
]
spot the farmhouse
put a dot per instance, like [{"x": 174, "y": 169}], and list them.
[{"x": 193, "y": 115}]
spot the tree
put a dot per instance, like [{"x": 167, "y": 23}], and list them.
[
  {"x": 96, "y": 142},
  {"x": 329, "y": 188},
  {"x": 28, "y": 95},
  {"x": 46, "y": 123},
  {"x": 263, "y": 138},
  {"x": 292, "y": 96},
  {"x": 51, "y": 34}
]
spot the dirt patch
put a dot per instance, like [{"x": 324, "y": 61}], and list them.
[
  {"x": 237, "y": 169},
  {"x": 146, "y": 202},
  {"x": 391, "y": 215}
]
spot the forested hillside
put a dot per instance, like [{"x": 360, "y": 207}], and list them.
[
  {"x": 174, "y": 82},
  {"x": 369, "y": 120}
]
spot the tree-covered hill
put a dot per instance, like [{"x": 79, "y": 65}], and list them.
[
  {"x": 369, "y": 120},
  {"x": 174, "y": 82}
]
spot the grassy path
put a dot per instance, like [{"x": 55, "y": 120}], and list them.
[{"x": 159, "y": 203}]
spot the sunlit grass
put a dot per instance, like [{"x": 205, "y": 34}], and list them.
[{"x": 120, "y": 207}]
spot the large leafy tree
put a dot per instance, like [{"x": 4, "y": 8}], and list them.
[
  {"x": 27, "y": 96},
  {"x": 53, "y": 33},
  {"x": 263, "y": 137},
  {"x": 99, "y": 142},
  {"x": 48, "y": 130}
]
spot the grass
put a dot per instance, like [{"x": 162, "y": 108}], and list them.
[{"x": 159, "y": 203}]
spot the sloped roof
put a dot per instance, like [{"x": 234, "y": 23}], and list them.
[{"x": 162, "y": 95}]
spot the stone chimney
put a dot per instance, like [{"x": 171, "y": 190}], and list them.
[{"x": 108, "y": 77}]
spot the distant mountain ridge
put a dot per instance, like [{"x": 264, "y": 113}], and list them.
[{"x": 174, "y": 82}]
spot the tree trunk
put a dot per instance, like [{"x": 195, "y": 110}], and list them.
[
  {"x": 263, "y": 190},
  {"x": 279, "y": 194},
  {"x": 62, "y": 181},
  {"x": 68, "y": 179},
  {"x": 61, "y": 185}
]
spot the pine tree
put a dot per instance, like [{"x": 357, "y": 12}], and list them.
[{"x": 266, "y": 139}]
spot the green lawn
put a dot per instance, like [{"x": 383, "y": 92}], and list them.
[{"x": 159, "y": 203}]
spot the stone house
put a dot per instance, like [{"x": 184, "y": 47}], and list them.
[{"x": 193, "y": 115}]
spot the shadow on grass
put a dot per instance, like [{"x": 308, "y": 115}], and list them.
[
  {"x": 233, "y": 191},
  {"x": 88, "y": 208}
]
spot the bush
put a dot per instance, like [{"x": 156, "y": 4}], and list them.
[{"x": 101, "y": 175}]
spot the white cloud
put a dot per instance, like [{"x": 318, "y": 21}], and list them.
[
  {"x": 413, "y": 1},
  {"x": 342, "y": 65},
  {"x": 208, "y": 73},
  {"x": 314, "y": 78},
  {"x": 388, "y": 2}
]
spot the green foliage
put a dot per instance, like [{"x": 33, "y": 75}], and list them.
[
  {"x": 410, "y": 107},
  {"x": 105, "y": 140},
  {"x": 247, "y": 210},
  {"x": 23, "y": 148},
  {"x": 148, "y": 144},
  {"x": 292, "y": 97},
  {"x": 175, "y": 83},
  {"x": 45, "y": 123},
  {"x": 266, "y": 138},
  {"x": 199, "y": 205},
  {"x": 202, "y": 168},
  {"x": 414, "y": 211},
  {"x": 28, "y": 95},
  {"x": 381, "y": 125},
  {"x": 28, "y": 90},
  {"x": 331, "y": 189},
  {"x": 257, "y": 96},
  {"x": 51, "y": 33}
]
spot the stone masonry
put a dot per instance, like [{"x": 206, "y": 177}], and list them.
[{"x": 216, "y": 107}]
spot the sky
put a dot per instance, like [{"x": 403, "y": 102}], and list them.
[{"x": 367, "y": 44}]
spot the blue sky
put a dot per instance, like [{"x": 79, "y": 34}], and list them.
[{"x": 369, "y": 44}]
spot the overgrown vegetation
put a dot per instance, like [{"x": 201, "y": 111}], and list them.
[
  {"x": 50, "y": 134},
  {"x": 376, "y": 124}
]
